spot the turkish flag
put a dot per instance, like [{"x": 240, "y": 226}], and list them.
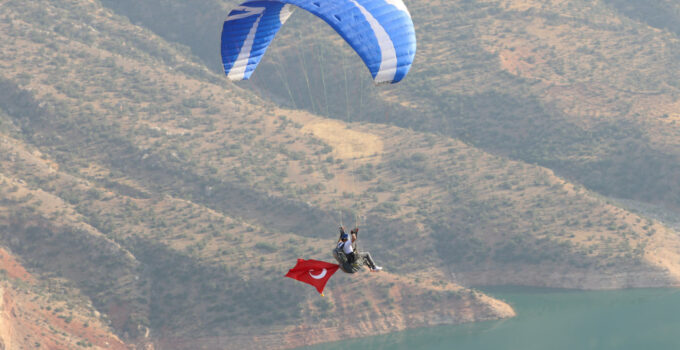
[{"x": 314, "y": 272}]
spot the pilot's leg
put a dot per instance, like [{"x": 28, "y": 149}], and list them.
[{"x": 368, "y": 260}]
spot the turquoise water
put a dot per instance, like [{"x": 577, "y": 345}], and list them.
[{"x": 638, "y": 319}]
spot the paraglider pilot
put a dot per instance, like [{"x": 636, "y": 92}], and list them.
[{"x": 346, "y": 245}]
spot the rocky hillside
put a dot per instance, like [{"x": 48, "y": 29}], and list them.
[
  {"x": 586, "y": 88},
  {"x": 173, "y": 201},
  {"x": 47, "y": 313}
]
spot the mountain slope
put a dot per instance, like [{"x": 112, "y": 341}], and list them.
[
  {"x": 47, "y": 314},
  {"x": 586, "y": 88},
  {"x": 176, "y": 201},
  {"x": 111, "y": 201}
]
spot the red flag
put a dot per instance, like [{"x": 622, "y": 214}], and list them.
[{"x": 314, "y": 272}]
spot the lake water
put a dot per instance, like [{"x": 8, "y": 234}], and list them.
[{"x": 638, "y": 319}]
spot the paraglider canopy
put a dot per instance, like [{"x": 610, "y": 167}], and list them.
[{"x": 380, "y": 31}]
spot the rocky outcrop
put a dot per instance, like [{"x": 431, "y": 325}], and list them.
[
  {"x": 372, "y": 304},
  {"x": 35, "y": 316}
]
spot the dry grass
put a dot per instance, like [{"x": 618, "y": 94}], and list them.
[{"x": 347, "y": 143}]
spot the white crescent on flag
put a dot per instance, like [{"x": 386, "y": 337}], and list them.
[
  {"x": 313, "y": 272},
  {"x": 319, "y": 276}
]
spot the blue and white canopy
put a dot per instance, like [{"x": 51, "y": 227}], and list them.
[{"x": 380, "y": 31}]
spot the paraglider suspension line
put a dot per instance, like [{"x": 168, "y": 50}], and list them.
[
  {"x": 304, "y": 72},
  {"x": 321, "y": 70}
]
